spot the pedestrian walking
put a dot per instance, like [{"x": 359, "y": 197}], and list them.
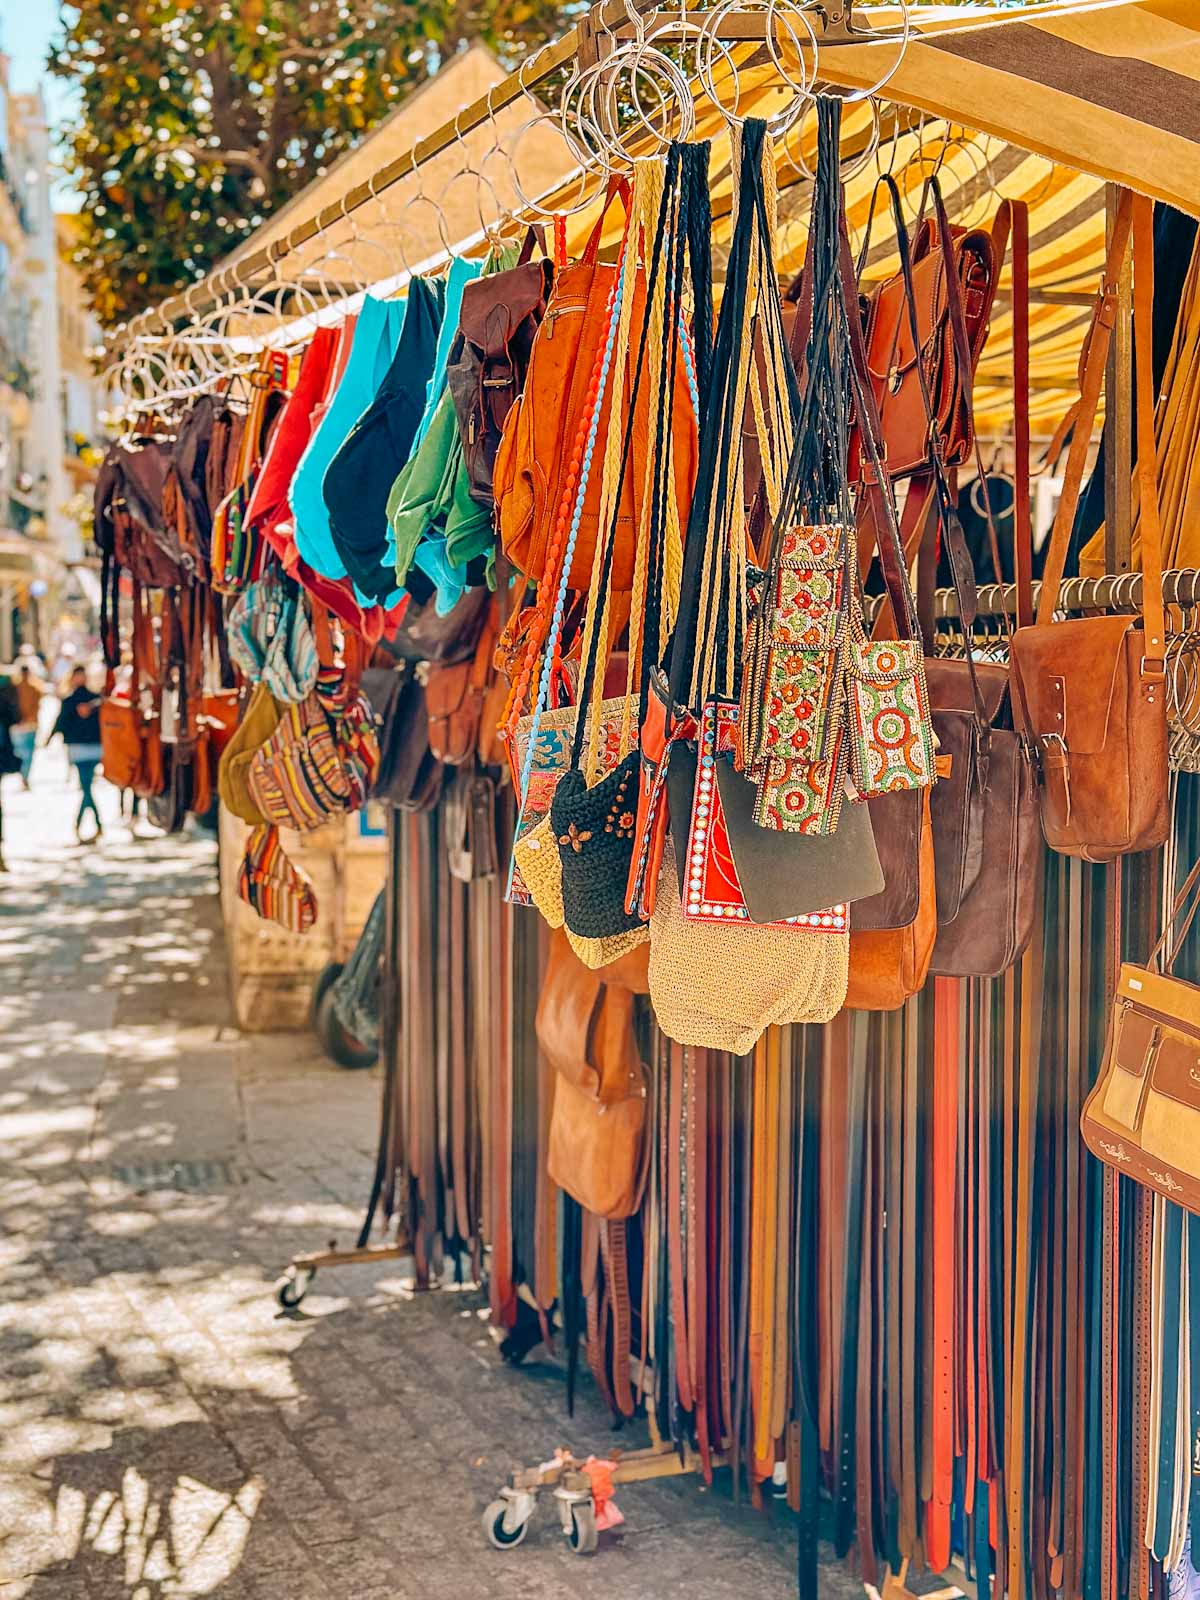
[
  {"x": 79, "y": 724},
  {"x": 8, "y": 756},
  {"x": 29, "y": 690}
]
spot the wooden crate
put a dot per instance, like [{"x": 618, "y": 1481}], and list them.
[{"x": 271, "y": 970}]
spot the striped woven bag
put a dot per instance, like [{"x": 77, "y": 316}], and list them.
[{"x": 316, "y": 765}]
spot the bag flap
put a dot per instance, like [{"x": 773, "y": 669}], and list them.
[
  {"x": 886, "y": 661},
  {"x": 889, "y": 340},
  {"x": 1068, "y": 675},
  {"x": 493, "y": 307}
]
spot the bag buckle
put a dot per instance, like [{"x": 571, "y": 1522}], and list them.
[{"x": 1063, "y": 766}]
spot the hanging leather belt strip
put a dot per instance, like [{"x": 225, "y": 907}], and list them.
[
  {"x": 762, "y": 1266},
  {"x": 422, "y": 1122},
  {"x": 724, "y": 1213},
  {"x": 892, "y": 1304},
  {"x": 943, "y": 1175},
  {"x": 1023, "y": 1229},
  {"x": 676, "y": 1133},
  {"x": 696, "y": 1088},
  {"x": 442, "y": 1109},
  {"x": 868, "y": 1423},
  {"x": 502, "y": 1289},
  {"x": 809, "y": 1044},
  {"x": 851, "y": 1255},
  {"x": 546, "y": 1202},
  {"x": 911, "y": 1276}
]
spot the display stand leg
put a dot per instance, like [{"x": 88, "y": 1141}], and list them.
[{"x": 302, "y": 1269}]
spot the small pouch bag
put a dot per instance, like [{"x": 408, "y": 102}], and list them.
[
  {"x": 271, "y": 883},
  {"x": 889, "y": 717}
]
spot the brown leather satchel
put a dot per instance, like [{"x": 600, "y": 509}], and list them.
[
  {"x": 1143, "y": 1116},
  {"x": 1091, "y": 691},
  {"x": 455, "y": 697},
  {"x": 489, "y": 358},
  {"x": 905, "y": 363},
  {"x": 599, "y": 1145}
]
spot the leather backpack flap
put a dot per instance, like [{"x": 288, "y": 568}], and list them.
[{"x": 493, "y": 308}]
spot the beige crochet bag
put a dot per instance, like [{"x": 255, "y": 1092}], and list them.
[
  {"x": 721, "y": 985},
  {"x": 540, "y": 866},
  {"x": 537, "y": 858}
]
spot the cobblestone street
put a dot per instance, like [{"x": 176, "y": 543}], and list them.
[{"x": 164, "y": 1429}]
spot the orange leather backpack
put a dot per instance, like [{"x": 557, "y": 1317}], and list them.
[{"x": 534, "y": 457}]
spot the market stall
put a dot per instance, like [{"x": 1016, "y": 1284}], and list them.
[{"x": 760, "y": 882}]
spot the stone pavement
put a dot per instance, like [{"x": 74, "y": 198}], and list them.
[{"x": 164, "y": 1429}]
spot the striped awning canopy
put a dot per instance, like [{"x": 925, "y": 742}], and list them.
[{"x": 1043, "y": 103}]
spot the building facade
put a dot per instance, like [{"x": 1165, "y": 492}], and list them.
[{"x": 49, "y": 424}]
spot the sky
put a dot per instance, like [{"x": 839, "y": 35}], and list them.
[{"x": 26, "y": 30}]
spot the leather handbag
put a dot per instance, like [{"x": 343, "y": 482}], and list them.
[
  {"x": 1143, "y": 1115},
  {"x": 426, "y": 635},
  {"x": 1091, "y": 691},
  {"x": 987, "y": 841},
  {"x": 130, "y": 739},
  {"x": 906, "y": 363},
  {"x": 499, "y": 316},
  {"x": 456, "y": 695}
]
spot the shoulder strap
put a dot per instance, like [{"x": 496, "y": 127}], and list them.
[
  {"x": 1186, "y": 889},
  {"x": 616, "y": 186},
  {"x": 1093, "y": 376},
  {"x": 1018, "y": 213},
  {"x": 1153, "y": 619}
]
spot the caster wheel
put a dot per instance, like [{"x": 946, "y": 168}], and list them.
[
  {"x": 339, "y": 1045},
  {"x": 583, "y": 1536},
  {"x": 497, "y": 1534},
  {"x": 293, "y": 1289}
]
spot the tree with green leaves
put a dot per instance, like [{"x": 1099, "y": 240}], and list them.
[{"x": 198, "y": 118}]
